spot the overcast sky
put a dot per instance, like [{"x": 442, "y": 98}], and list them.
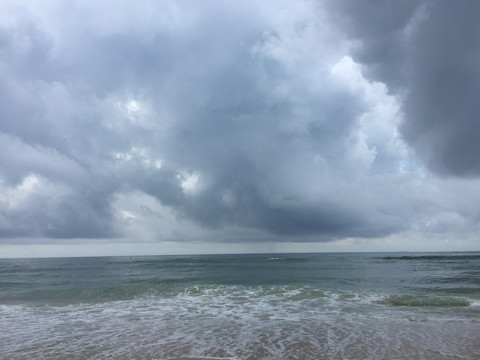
[{"x": 131, "y": 127}]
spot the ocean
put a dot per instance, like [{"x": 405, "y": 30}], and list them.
[{"x": 264, "y": 306}]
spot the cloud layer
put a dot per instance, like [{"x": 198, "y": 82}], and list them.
[
  {"x": 285, "y": 121},
  {"x": 427, "y": 53}
]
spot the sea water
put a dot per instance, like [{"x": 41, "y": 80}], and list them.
[{"x": 265, "y": 306}]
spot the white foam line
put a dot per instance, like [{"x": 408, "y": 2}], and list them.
[{"x": 200, "y": 358}]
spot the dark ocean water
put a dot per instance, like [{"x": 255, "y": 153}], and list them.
[{"x": 278, "y": 306}]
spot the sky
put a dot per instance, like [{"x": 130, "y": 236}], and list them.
[{"x": 174, "y": 127}]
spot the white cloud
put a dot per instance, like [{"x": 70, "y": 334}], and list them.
[{"x": 188, "y": 181}]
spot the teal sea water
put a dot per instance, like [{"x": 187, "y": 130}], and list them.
[{"x": 265, "y": 306}]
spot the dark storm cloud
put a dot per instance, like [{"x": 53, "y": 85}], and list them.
[
  {"x": 429, "y": 52},
  {"x": 443, "y": 107},
  {"x": 379, "y": 31},
  {"x": 255, "y": 120}
]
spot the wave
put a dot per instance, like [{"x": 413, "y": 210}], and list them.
[
  {"x": 74, "y": 295},
  {"x": 425, "y": 301},
  {"x": 289, "y": 295},
  {"x": 475, "y": 256}
]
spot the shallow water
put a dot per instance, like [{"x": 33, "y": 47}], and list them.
[{"x": 289, "y": 306}]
